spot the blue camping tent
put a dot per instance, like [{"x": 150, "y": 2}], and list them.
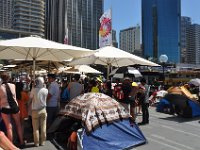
[
  {"x": 115, "y": 136},
  {"x": 163, "y": 106},
  {"x": 195, "y": 108},
  {"x": 188, "y": 108}
]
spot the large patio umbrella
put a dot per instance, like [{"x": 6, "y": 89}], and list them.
[
  {"x": 82, "y": 69},
  {"x": 36, "y": 48},
  {"x": 40, "y": 64},
  {"x": 112, "y": 56},
  {"x": 125, "y": 71}
]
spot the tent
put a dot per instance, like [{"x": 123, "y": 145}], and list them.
[
  {"x": 180, "y": 104},
  {"x": 106, "y": 123},
  {"x": 118, "y": 135}
]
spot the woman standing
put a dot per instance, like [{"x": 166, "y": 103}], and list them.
[
  {"x": 22, "y": 99},
  {"x": 38, "y": 96},
  {"x": 10, "y": 108}
]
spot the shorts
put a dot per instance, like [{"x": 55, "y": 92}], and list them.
[{"x": 14, "y": 110}]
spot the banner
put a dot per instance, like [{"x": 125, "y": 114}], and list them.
[
  {"x": 105, "y": 31},
  {"x": 66, "y": 40},
  {"x": 66, "y": 36}
]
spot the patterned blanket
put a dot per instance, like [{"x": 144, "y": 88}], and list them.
[{"x": 95, "y": 109}]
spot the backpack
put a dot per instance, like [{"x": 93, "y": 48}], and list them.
[
  {"x": 118, "y": 92},
  {"x": 65, "y": 95}
]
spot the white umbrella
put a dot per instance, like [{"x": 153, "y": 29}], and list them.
[
  {"x": 195, "y": 81},
  {"x": 36, "y": 48},
  {"x": 80, "y": 69},
  {"x": 112, "y": 56},
  {"x": 125, "y": 71}
]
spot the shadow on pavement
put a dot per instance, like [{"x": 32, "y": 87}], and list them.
[{"x": 180, "y": 119}]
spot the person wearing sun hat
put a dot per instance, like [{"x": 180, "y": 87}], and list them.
[{"x": 132, "y": 98}]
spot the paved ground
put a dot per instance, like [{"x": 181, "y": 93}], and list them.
[
  {"x": 168, "y": 132},
  {"x": 30, "y": 144},
  {"x": 164, "y": 132}
]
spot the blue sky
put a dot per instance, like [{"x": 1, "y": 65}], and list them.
[{"x": 127, "y": 13}]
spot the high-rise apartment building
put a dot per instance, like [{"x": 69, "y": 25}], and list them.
[
  {"x": 28, "y": 16},
  {"x": 6, "y": 13},
  {"x": 185, "y": 24},
  {"x": 55, "y": 20},
  {"x": 193, "y": 44},
  {"x": 80, "y": 19},
  {"x": 161, "y": 29},
  {"x": 114, "y": 39},
  {"x": 22, "y": 16},
  {"x": 130, "y": 39}
]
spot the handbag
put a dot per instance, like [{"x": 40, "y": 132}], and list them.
[{"x": 14, "y": 108}]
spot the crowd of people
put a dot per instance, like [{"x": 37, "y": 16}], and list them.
[{"x": 42, "y": 100}]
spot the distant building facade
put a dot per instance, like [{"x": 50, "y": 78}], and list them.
[
  {"x": 193, "y": 44},
  {"x": 78, "y": 20},
  {"x": 29, "y": 16},
  {"x": 55, "y": 20},
  {"x": 6, "y": 11},
  {"x": 114, "y": 39},
  {"x": 12, "y": 34},
  {"x": 185, "y": 24},
  {"x": 25, "y": 16},
  {"x": 161, "y": 29},
  {"x": 130, "y": 39}
]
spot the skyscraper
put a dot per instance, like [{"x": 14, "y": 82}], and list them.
[
  {"x": 22, "y": 17},
  {"x": 6, "y": 7},
  {"x": 114, "y": 39},
  {"x": 80, "y": 19},
  {"x": 193, "y": 44},
  {"x": 130, "y": 39},
  {"x": 29, "y": 15},
  {"x": 185, "y": 24},
  {"x": 161, "y": 29},
  {"x": 55, "y": 20}
]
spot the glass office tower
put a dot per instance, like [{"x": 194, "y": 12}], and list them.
[{"x": 161, "y": 29}]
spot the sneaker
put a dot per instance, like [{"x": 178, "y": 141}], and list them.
[{"x": 42, "y": 144}]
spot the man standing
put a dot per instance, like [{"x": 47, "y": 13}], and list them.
[
  {"x": 52, "y": 99},
  {"x": 74, "y": 87},
  {"x": 126, "y": 89},
  {"x": 143, "y": 97}
]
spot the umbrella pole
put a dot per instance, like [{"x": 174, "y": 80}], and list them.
[
  {"x": 108, "y": 71},
  {"x": 34, "y": 69}
]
